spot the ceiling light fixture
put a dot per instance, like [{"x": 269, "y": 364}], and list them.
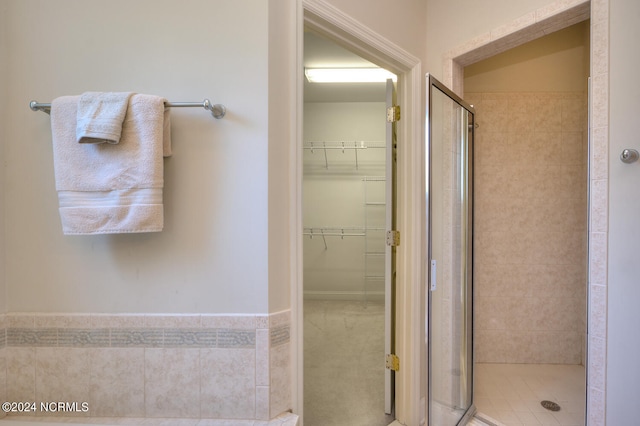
[{"x": 348, "y": 75}]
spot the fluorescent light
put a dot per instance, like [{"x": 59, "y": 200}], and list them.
[{"x": 348, "y": 75}]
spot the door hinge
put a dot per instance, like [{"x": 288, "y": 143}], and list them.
[
  {"x": 393, "y": 238},
  {"x": 393, "y": 114},
  {"x": 393, "y": 362}
]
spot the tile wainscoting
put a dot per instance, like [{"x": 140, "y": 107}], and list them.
[{"x": 149, "y": 365}]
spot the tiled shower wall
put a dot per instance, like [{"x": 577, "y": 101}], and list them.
[
  {"x": 530, "y": 227},
  {"x": 189, "y": 366}
]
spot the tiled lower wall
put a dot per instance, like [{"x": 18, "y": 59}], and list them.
[{"x": 187, "y": 366}]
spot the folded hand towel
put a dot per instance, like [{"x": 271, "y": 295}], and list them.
[
  {"x": 104, "y": 188},
  {"x": 100, "y": 116}
]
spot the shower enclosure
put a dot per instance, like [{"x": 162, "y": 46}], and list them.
[{"x": 449, "y": 206}]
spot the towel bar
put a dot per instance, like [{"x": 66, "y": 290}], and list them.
[{"x": 217, "y": 110}]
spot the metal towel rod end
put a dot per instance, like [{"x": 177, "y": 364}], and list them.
[{"x": 217, "y": 110}]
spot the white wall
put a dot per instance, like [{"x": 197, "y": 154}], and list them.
[
  {"x": 4, "y": 85},
  {"x": 213, "y": 253},
  {"x": 454, "y": 22},
  {"x": 282, "y": 167},
  {"x": 623, "y": 369},
  {"x": 401, "y": 21}
]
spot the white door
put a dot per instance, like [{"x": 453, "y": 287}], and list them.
[{"x": 390, "y": 271}]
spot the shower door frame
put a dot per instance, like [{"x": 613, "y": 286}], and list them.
[{"x": 429, "y": 269}]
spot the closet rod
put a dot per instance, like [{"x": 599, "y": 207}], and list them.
[
  {"x": 343, "y": 145},
  {"x": 217, "y": 110}
]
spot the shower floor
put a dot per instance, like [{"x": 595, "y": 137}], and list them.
[
  {"x": 344, "y": 363},
  {"x": 511, "y": 393}
]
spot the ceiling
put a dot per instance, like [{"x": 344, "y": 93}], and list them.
[{"x": 320, "y": 52}]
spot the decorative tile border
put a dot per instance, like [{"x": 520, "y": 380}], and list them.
[
  {"x": 131, "y": 338},
  {"x": 280, "y": 335},
  {"x": 3, "y": 331},
  {"x": 142, "y": 331},
  {"x": 154, "y": 349}
]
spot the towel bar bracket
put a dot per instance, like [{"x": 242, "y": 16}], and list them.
[{"x": 217, "y": 110}]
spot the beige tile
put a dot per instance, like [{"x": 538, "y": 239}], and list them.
[
  {"x": 21, "y": 374},
  {"x": 548, "y": 114},
  {"x": 492, "y": 149},
  {"x": 596, "y": 407},
  {"x": 495, "y": 115},
  {"x": 558, "y": 347},
  {"x": 522, "y": 107},
  {"x": 475, "y": 99},
  {"x": 500, "y": 281},
  {"x": 229, "y": 321},
  {"x": 574, "y": 115},
  {"x": 597, "y": 363},
  {"x": 279, "y": 318},
  {"x": 172, "y": 382},
  {"x": 491, "y": 345},
  {"x": 574, "y": 148},
  {"x": 117, "y": 382},
  {"x": 599, "y": 47},
  {"x": 262, "y": 403},
  {"x": 598, "y": 258},
  {"x": 598, "y": 311},
  {"x": 62, "y": 320},
  {"x": 599, "y": 205},
  {"x": 263, "y": 338},
  {"x": 63, "y": 374},
  {"x": 117, "y": 320},
  {"x": 281, "y": 375},
  {"x": 600, "y": 154},
  {"x": 228, "y": 383},
  {"x": 20, "y": 320},
  {"x": 3, "y": 375},
  {"x": 262, "y": 321},
  {"x": 600, "y": 100},
  {"x": 171, "y": 321}
]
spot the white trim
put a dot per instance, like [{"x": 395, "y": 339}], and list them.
[
  {"x": 334, "y": 24},
  {"x": 295, "y": 212}
]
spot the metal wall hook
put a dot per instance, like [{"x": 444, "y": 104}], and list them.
[{"x": 629, "y": 156}]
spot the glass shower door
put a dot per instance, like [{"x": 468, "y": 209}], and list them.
[{"x": 448, "y": 177}]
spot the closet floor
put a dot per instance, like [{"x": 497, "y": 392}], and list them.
[{"x": 344, "y": 363}]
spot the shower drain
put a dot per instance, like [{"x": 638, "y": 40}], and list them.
[{"x": 550, "y": 405}]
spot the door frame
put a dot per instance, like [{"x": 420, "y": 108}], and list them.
[
  {"x": 556, "y": 16},
  {"x": 346, "y": 31}
]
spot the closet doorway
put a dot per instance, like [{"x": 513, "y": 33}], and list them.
[{"x": 348, "y": 158}]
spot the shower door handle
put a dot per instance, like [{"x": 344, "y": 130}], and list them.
[{"x": 434, "y": 273}]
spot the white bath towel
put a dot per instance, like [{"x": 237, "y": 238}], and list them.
[
  {"x": 100, "y": 116},
  {"x": 104, "y": 188}
]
